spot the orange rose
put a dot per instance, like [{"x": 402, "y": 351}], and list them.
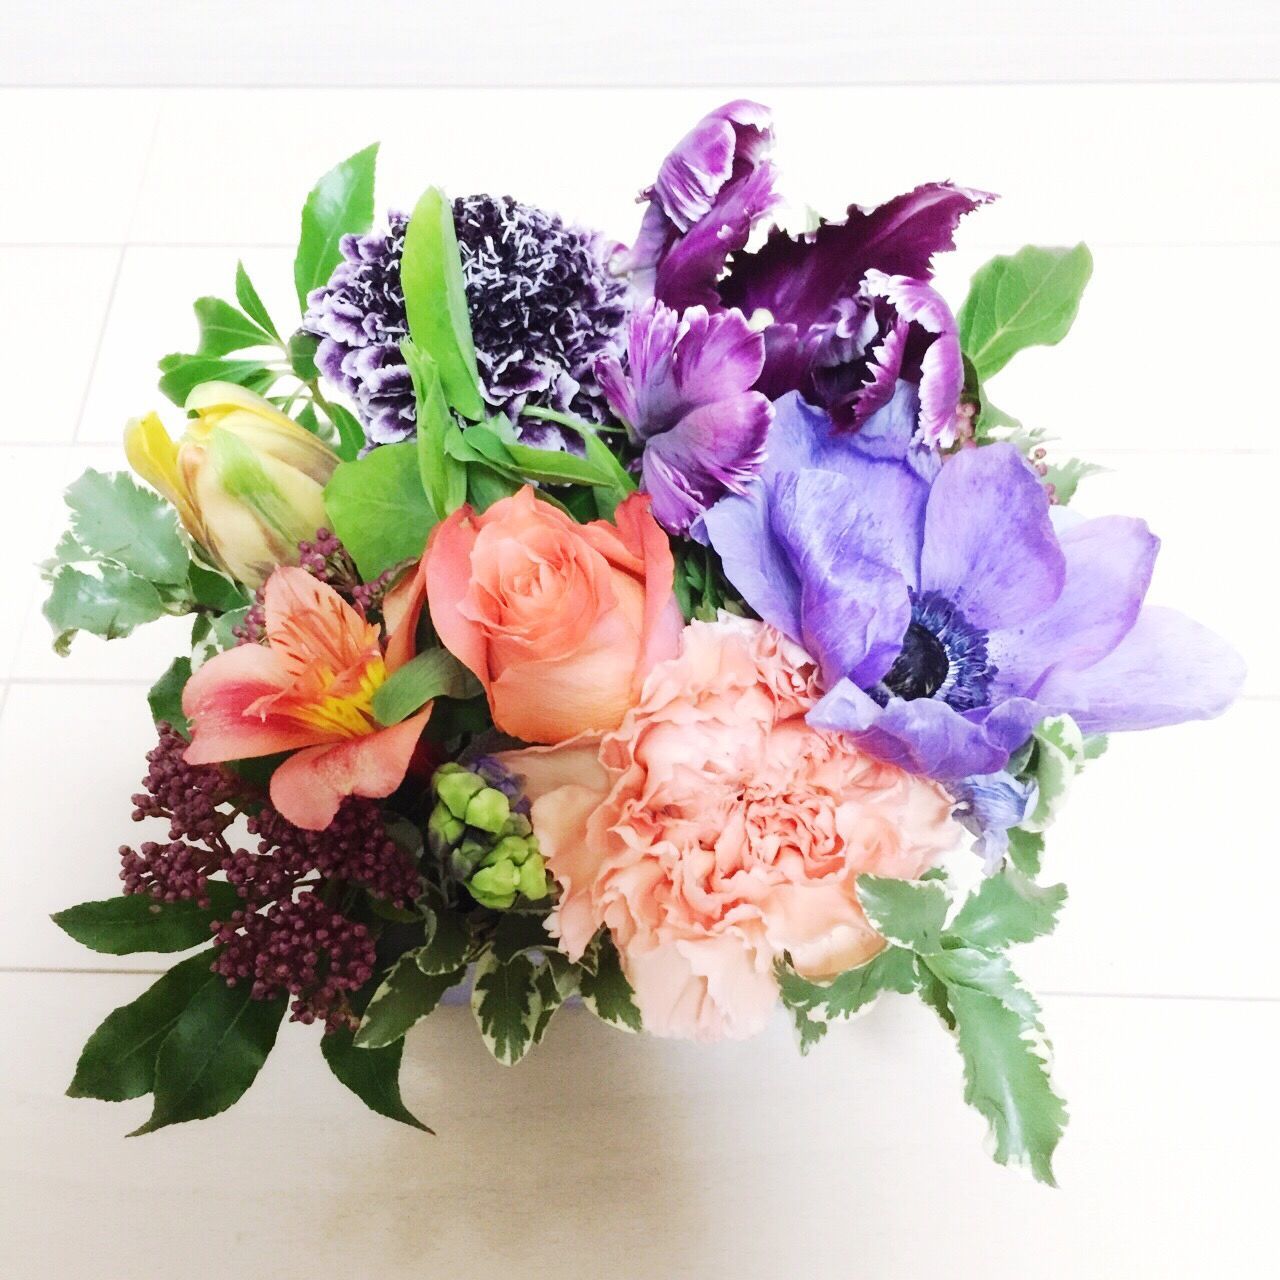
[{"x": 560, "y": 621}]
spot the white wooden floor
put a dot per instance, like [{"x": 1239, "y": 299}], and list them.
[{"x": 606, "y": 1155}]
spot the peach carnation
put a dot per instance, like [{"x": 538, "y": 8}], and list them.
[{"x": 714, "y": 830}]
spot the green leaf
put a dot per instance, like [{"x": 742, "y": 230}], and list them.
[
  {"x": 555, "y": 979},
  {"x": 247, "y": 297},
  {"x": 340, "y": 202},
  {"x": 435, "y": 673},
  {"x": 405, "y": 996},
  {"x": 908, "y": 912},
  {"x": 984, "y": 971},
  {"x": 443, "y": 477},
  {"x": 181, "y": 372},
  {"x": 301, "y": 348},
  {"x": 224, "y": 328},
  {"x": 110, "y": 605},
  {"x": 814, "y": 1004},
  {"x": 933, "y": 991},
  {"x": 378, "y": 508},
  {"x": 447, "y": 940},
  {"x": 350, "y": 432},
  {"x": 165, "y": 696},
  {"x": 213, "y": 1053},
  {"x": 550, "y": 466},
  {"x": 119, "y": 1060},
  {"x": 1008, "y": 908},
  {"x": 116, "y": 519},
  {"x": 1059, "y": 756},
  {"x": 1027, "y": 299},
  {"x": 1026, "y": 850},
  {"x": 607, "y": 993},
  {"x": 519, "y": 932},
  {"x": 435, "y": 300},
  {"x": 506, "y": 1005},
  {"x": 214, "y": 591},
  {"x": 1006, "y": 1075},
  {"x": 1066, "y": 476},
  {"x": 136, "y": 922},
  {"x": 373, "y": 1075}
]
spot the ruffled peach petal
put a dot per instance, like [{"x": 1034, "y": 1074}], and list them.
[{"x": 308, "y": 787}]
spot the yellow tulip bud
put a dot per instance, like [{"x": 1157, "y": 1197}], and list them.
[{"x": 246, "y": 480}]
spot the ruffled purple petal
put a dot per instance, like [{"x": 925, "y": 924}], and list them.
[
  {"x": 1167, "y": 669},
  {"x": 926, "y": 736},
  {"x": 989, "y": 805},
  {"x": 854, "y": 607},
  {"x": 1109, "y": 562},
  {"x": 989, "y": 545}
]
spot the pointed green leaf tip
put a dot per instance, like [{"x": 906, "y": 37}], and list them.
[
  {"x": 908, "y": 912},
  {"x": 1024, "y": 300},
  {"x": 341, "y": 202}
]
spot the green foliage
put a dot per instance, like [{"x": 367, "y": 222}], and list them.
[
  {"x": 513, "y": 1001},
  {"x": 814, "y": 1004},
  {"x": 213, "y": 1053},
  {"x": 340, "y": 202},
  {"x": 1066, "y": 476},
  {"x": 119, "y": 1060},
  {"x": 373, "y": 1075},
  {"x": 1026, "y": 851},
  {"x": 444, "y": 477},
  {"x": 1027, "y": 299},
  {"x": 109, "y": 605},
  {"x": 247, "y": 297},
  {"x": 215, "y": 591},
  {"x": 447, "y": 945},
  {"x": 114, "y": 518},
  {"x": 135, "y": 922},
  {"x": 165, "y": 696},
  {"x": 908, "y": 912},
  {"x": 1058, "y": 755},
  {"x": 435, "y": 300},
  {"x": 180, "y": 372},
  {"x": 378, "y": 508},
  {"x": 224, "y": 328},
  {"x": 1008, "y": 908},
  {"x": 606, "y": 991},
  {"x": 350, "y": 433},
  {"x": 301, "y": 350},
  {"x": 406, "y": 995},
  {"x": 434, "y": 673}
]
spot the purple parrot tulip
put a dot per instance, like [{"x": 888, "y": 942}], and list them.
[{"x": 949, "y": 607}]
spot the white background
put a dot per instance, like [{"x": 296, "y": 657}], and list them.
[{"x": 1147, "y": 129}]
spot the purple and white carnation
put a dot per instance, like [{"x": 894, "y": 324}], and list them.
[
  {"x": 950, "y": 613},
  {"x": 542, "y": 300}
]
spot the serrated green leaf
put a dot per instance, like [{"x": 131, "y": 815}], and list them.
[
  {"x": 434, "y": 673},
  {"x": 115, "y": 518},
  {"x": 350, "y": 432},
  {"x": 908, "y": 912},
  {"x": 1027, "y": 299},
  {"x": 447, "y": 941},
  {"x": 1066, "y": 476},
  {"x": 406, "y": 995},
  {"x": 506, "y": 1005},
  {"x": 933, "y": 991},
  {"x": 814, "y": 1004},
  {"x": 1026, "y": 850},
  {"x": 1008, "y": 908},
  {"x": 247, "y": 297},
  {"x": 224, "y": 328},
  {"x": 1059, "y": 756},
  {"x": 341, "y": 202},
  {"x": 435, "y": 301},
  {"x": 984, "y": 971},
  {"x": 212, "y": 1054},
  {"x": 373, "y": 1075},
  {"x": 165, "y": 696},
  {"x": 136, "y": 922},
  {"x": 378, "y": 508},
  {"x": 1007, "y": 1080},
  {"x": 555, "y": 979},
  {"x": 119, "y": 1060},
  {"x": 607, "y": 993},
  {"x": 110, "y": 605},
  {"x": 180, "y": 372}
]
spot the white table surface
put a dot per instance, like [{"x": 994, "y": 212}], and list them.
[{"x": 611, "y": 1155}]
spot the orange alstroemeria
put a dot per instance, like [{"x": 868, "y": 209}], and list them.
[{"x": 308, "y": 690}]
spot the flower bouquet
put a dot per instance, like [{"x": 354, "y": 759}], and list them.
[{"x": 679, "y": 628}]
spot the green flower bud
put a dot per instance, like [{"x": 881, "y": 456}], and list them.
[
  {"x": 533, "y": 878},
  {"x": 488, "y": 809},
  {"x": 456, "y": 786},
  {"x": 443, "y": 828},
  {"x": 511, "y": 849},
  {"x": 495, "y": 886}
]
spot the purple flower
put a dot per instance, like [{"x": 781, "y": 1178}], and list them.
[
  {"x": 710, "y": 191},
  {"x": 686, "y": 396},
  {"x": 948, "y": 611},
  {"x": 989, "y": 805}
]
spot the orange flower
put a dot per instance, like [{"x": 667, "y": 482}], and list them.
[
  {"x": 560, "y": 621},
  {"x": 308, "y": 690}
]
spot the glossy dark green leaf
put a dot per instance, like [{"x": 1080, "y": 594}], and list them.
[
  {"x": 340, "y": 202},
  {"x": 373, "y": 1075},
  {"x": 115, "y": 518},
  {"x": 378, "y": 508},
  {"x": 247, "y": 297},
  {"x": 119, "y": 1059},
  {"x": 135, "y": 922},
  {"x": 435, "y": 299},
  {"x": 224, "y": 328},
  {"x": 436, "y": 673},
  {"x": 212, "y": 1054},
  {"x": 165, "y": 696}
]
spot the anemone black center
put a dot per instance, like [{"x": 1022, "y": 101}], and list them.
[{"x": 920, "y": 670}]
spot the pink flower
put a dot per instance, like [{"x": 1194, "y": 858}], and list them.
[
  {"x": 715, "y": 830},
  {"x": 309, "y": 690}
]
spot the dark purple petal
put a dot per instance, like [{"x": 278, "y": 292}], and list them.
[
  {"x": 989, "y": 545},
  {"x": 925, "y": 735},
  {"x": 1108, "y": 569},
  {"x": 1166, "y": 670},
  {"x": 716, "y": 356},
  {"x": 799, "y": 281}
]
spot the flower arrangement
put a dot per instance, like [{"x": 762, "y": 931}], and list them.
[{"x": 678, "y": 628}]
